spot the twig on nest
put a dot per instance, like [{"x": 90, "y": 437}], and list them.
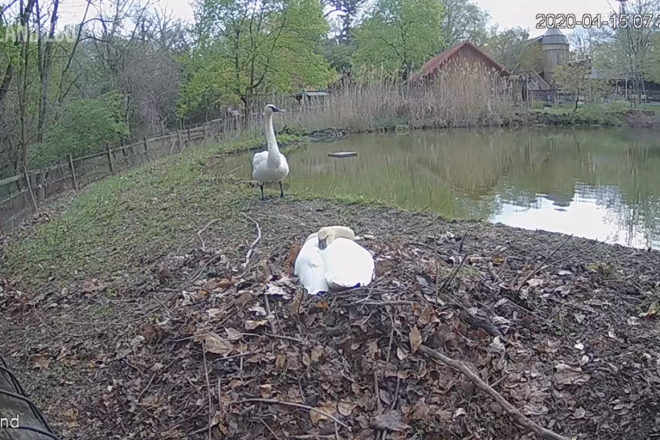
[
  {"x": 208, "y": 389},
  {"x": 288, "y": 338},
  {"x": 312, "y": 436},
  {"x": 391, "y": 303},
  {"x": 200, "y": 271},
  {"x": 296, "y": 405},
  {"x": 460, "y": 246},
  {"x": 153, "y": 376},
  {"x": 254, "y": 243},
  {"x": 483, "y": 386},
  {"x": 236, "y": 356},
  {"x": 199, "y": 233},
  {"x": 453, "y": 274},
  {"x": 378, "y": 403},
  {"x": 540, "y": 266},
  {"x": 389, "y": 344},
  {"x": 268, "y": 428},
  {"x": 493, "y": 275}
]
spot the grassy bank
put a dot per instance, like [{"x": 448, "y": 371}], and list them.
[
  {"x": 135, "y": 216},
  {"x": 613, "y": 115}
]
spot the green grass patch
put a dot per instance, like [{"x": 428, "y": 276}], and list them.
[
  {"x": 653, "y": 107},
  {"x": 349, "y": 199},
  {"x": 613, "y": 114},
  {"x": 131, "y": 220}
]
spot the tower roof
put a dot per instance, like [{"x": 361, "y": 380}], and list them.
[{"x": 554, "y": 36}]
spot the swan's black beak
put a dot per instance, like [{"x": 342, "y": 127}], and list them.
[
  {"x": 278, "y": 110},
  {"x": 323, "y": 244}
]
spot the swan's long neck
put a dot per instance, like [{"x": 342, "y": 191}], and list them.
[
  {"x": 343, "y": 232},
  {"x": 273, "y": 150}
]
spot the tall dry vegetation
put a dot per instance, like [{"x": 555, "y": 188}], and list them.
[{"x": 457, "y": 97}]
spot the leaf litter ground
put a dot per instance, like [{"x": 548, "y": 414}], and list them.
[{"x": 203, "y": 345}]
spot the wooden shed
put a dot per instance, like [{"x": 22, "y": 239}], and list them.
[{"x": 462, "y": 55}]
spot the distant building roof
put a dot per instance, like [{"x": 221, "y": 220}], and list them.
[
  {"x": 551, "y": 36},
  {"x": 440, "y": 60}
]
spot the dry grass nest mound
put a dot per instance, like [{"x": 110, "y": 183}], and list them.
[{"x": 222, "y": 338}]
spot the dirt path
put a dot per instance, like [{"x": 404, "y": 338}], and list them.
[{"x": 122, "y": 357}]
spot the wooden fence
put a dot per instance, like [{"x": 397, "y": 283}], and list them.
[{"x": 22, "y": 194}]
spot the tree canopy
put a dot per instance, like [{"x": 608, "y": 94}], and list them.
[
  {"x": 395, "y": 36},
  {"x": 154, "y": 72},
  {"x": 255, "y": 47}
]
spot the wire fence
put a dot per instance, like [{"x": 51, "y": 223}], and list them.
[
  {"x": 21, "y": 195},
  {"x": 20, "y": 418}
]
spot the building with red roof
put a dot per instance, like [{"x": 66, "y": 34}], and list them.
[{"x": 462, "y": 55}]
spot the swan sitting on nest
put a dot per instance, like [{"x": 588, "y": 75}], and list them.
[
  {"x": 331, "y": 261},
  {"x": 270, "y": 166}
]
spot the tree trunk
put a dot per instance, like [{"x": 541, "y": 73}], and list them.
[
  {"x": 47, "y": 73},
  {"x": 9, "y": 72},
  {"x": 61, "y": 94},
  {"x": 22, "y": 98}
]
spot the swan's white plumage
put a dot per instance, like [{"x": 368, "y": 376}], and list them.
[
  {"x": 310, "y": 268},
  {"x": 271, "y": 165},
  {"x": 342, "y": 265},
  {"x": 347, "y": 265},
  {"x": 264, "y": 171}
]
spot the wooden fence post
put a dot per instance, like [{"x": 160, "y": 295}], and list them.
[
  {"x": 73, "y": 173},
  {"x": 180, "y": 141},
  {"x": 204, "y": 130},
  {"x": 188, "y": 134},
  {"x": 29, "y": 185},
  {"x": 146, "y": 148},
  {"x": 41, "y": 193},
  {"x": 110, "y": 164}
]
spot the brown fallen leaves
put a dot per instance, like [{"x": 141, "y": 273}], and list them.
[
  {"x": 390, "y": 420},
  {"x": 415, "y": 339},
  {"x": 40, "y": 361},
  {"x": 567, "y": 375},
  {"x": 337, "y": 344},
  {"x": 218, "y": 285},
  {"x": 214, "y": 343},
  {"x": 323, "y": 412}
]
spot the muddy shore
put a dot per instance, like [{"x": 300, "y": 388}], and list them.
[{"x": 192, "y": 339}]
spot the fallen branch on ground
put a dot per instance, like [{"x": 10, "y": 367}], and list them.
[
  {"x": 460, "y": 246},
  {"x": 483, "y": 386},
  {"x": 288, "y": 338},
  {"x": 254, "y": 243},
  {"x": 391, "y": 303},
  {"x": 199, "y": 233},
  {"x": 540, "y": 266},
  {"x": 208, "y": 390},
  {"x": 296, "y": 405},
  {"x": 452, "y": 275}
]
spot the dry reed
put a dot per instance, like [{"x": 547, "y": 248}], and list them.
[{"x": 459, "y": 96}]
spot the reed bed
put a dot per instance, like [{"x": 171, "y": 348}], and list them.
[{"x": 459, "y": 96}]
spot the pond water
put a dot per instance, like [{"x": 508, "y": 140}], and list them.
[{"x": 596, "y": 183}]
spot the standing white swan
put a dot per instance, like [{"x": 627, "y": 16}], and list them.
[
  {"x": 331, "y": 261},
  {"x": 270, "y": 166}
]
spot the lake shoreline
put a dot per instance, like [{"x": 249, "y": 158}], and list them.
[
  {"x": 144, "y": 320},
  {"x": 627, "y": 118}
]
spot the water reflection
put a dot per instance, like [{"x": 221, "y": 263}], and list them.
[{"x": 597, "y": 183}]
